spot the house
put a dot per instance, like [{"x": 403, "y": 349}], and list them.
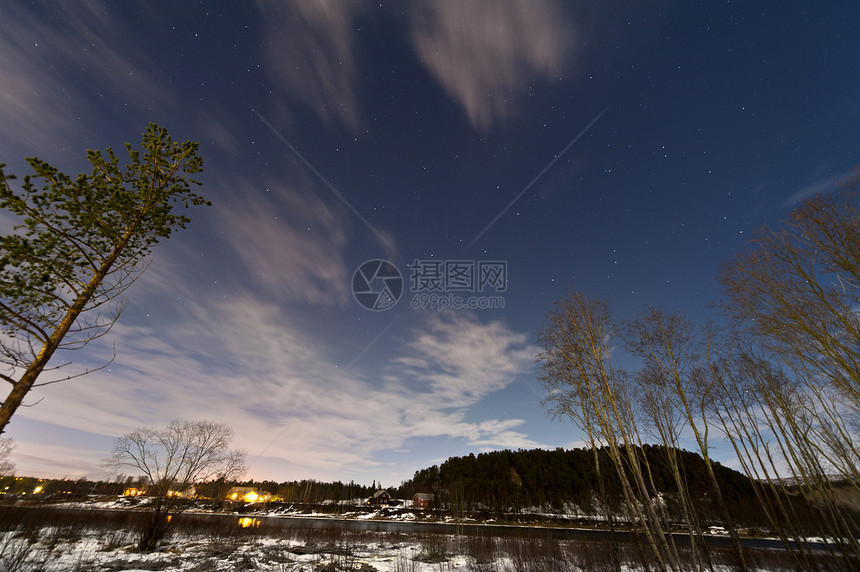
[
  {"x": 380, "y": 498},
  {"x": 248, "y": 494},
  {"x": 178, "y": 490},
  {"x": 183, "y": 492},
  {"x": 422, "y": 500}
]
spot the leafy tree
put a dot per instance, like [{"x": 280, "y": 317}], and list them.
[
  {"x": 174, "y": 460},
  {"x": 79, "y": 245}
]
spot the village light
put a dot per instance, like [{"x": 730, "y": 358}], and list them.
[
  {"x": 248, "y": 494},
  {"x": 37, "y": 490}
]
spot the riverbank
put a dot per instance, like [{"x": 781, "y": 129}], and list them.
[{"x": 54, "y": 537}]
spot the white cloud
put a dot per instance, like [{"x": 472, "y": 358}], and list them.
[
  {"x": 55, "y": 461},
  {"x": 488, "y": 54},
  {"x": 461, "y": 360},
  {"x": 48, "y": 69},
  {"x": 291, "y": 243},
  {"x": 251, "y": 364},
  {"x": 821, "y": 186},
  {"x": 311, "y": 55},
  {"x": 218, "y": 128}
]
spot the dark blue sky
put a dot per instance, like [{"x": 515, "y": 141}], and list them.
[{"x": 623, "y": 149}]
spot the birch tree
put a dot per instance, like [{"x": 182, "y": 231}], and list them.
[
  {"x": 577, "y": 341},
  {"x": 796, "y": 290},
  {"x": 792, "y": 403},
  {"x": 678, "y": 356}
]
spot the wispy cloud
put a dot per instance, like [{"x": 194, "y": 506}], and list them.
[
  {"x": 821, "y": 186},
  {"x": 459, "y": 360},
  {"x": 290, "y": 242},
  {"x": 59, "y": 461},
  {"x": 487, "y": 54},
  {"x": 49, "y": 66},
  {"x": 311, "y": 55},
  {"x": 218, "y": 128},
  {"x": 384, "y": 238},
  {"x": 251, "y": 364}
]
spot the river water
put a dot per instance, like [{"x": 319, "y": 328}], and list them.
[{"x": 276, "y": 522}]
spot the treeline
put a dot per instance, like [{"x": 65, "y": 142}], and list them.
[
  {"x": 563, "y": 479},
  {"x": 780, "y": 384},
  {"x": 298, "y": 491},
  {"x": 62, "y": 488},
  {"x": 312, "y": 491}
]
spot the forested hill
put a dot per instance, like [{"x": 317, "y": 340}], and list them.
[{"x": 540, "y": 478}]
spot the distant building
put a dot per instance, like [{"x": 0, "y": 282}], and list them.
[
  {"x": 248, "y": 494},
  {"x": 183, "y": 492},
  {"x": 380, "y": 498},
  {"x": 422, "y": 500}
]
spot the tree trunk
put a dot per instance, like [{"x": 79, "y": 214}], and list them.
[
  {"x": 154, "y": 530},
  {"x": 607, "y": 506},
  {"x": 34, "y": 370}
]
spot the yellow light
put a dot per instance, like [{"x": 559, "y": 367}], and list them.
[
  {"x": 248, "y": 522},
  {"x": 251, "y": 496},
  {"x": 37, "y": 490}
]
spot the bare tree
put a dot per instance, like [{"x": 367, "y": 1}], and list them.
[
  {"x": 174, "y": 459},
  {"x": 797, "y": 289},
  {"x": 7, "y": 467},
  {"x": 678, "y": 356},
  {"x": 577, "y": 340},
  {"x": 768, "y": 418},
  {"x": 666, "y": 423},
  {"x": 793, "y": 297}
]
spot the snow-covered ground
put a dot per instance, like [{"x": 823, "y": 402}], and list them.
[
  {"x": 51, "y": 551},
  {"x": 87, "y": 538},
  {"x": 62, "y": 550},
  {"x": 203, "y": 554}
]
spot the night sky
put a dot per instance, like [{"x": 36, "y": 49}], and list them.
[{"x": 622, "y": 149}]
